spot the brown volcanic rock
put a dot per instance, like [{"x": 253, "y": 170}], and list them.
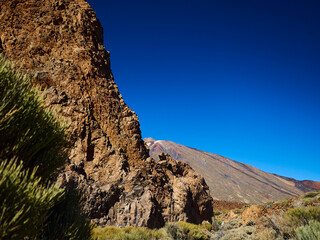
[
  {"x": 231, "y": 180},
  {"x": 61, "y": 43}
]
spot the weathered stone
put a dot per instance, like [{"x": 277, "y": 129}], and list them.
[{"x": 60, "y": 43}]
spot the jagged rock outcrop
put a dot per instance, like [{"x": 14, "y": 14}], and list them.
[{"x": 60, "y": 42}]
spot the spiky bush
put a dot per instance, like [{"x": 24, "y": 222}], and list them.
[
  {"x": 24, "y": 201},
  {"x": 193, "y": 231},
  {"x": 28, "y": 131},
  {"x": 302, "y": 216},
  {"x": 32, "y": 143},
  {"x": 298, "y": 217},
  {"x": 309, "y": 232},
  {"x": 174, "y": 230}
]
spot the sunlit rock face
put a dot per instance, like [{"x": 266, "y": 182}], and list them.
[{"x": 60, "y": 43}]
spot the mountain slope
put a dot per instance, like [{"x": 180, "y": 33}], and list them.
[{"x": 231, "y": 180}]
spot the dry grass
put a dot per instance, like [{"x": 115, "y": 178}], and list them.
[
  {"x": 179, "y": 230},
  {"x": 193, "y": 231},
  {"x": 128, "y": 233},
  {"x": 311, "y": 194}
]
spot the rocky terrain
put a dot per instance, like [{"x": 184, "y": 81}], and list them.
[
  {"x": 294, "y": 218},
  {"x": 272, "y": 220},
  {"x": 60, "y": 44},
  {"x": 231, "y": 180}
]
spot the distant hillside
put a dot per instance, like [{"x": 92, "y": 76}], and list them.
[{"x": 231, "y": 180}]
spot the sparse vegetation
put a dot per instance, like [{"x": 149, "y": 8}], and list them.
[
  {"x": 178, "y": 230},
  {"x": 128, "y": 233},
  {"x": 311, "y": 194},
  {"x": 217, "y": 213},
  {"x": 285, "y": 219},
  {"x": 193, "y": 231},
  {"x": 174, "y": 230},
  {"x": 309, "y": 232},
  {"x": 238, "y": 210},
  {"x": 302, "y": 216},
  {"x": 267, "y": 234},
  {"x": 285, "y": 203}
]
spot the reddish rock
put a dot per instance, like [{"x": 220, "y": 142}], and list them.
[
  {"x": 313, "y": 184},
  {"x": 60, "y": 42}
]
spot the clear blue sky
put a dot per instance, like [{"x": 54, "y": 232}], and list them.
[{"x": 236, "y": 78}]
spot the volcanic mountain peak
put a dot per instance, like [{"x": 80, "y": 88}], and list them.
[{"x": 231, "y": 180}]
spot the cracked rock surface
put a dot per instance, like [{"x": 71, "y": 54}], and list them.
[{"x": 60, "y": 43}]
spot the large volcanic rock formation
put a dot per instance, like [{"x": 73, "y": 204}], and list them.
[{"x": 60, "y": 42}]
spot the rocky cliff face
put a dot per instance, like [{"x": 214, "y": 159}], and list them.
[{"x": 60, "y": 42}]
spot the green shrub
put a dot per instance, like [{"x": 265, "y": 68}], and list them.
[
  {"x": 269, "y": 203},
  {"x": 25, "y": 202},
  {"x": 206, "y": 225},
  {"x": 32, "y": 143},
  {"x": 219, "y": 221},
  {"x": 128, "y": 233},
  {"x": 244, "y": 232},
  {"x": 238, "y": 210},
  {"x": 177, "y": 231},
  {"x": 307, "y": 201},
  {"x": 302, "y": 216},
  {"x": 174, "y": 231},
  {"x": 29, "y": 132},
  {"x": 285, "y": 203},
  {"x": 217, "y": 213},
  {"x": 311, "y": 194},
  {"x": 193, "y": 231},
  {"x": 309, "y": 232}
]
